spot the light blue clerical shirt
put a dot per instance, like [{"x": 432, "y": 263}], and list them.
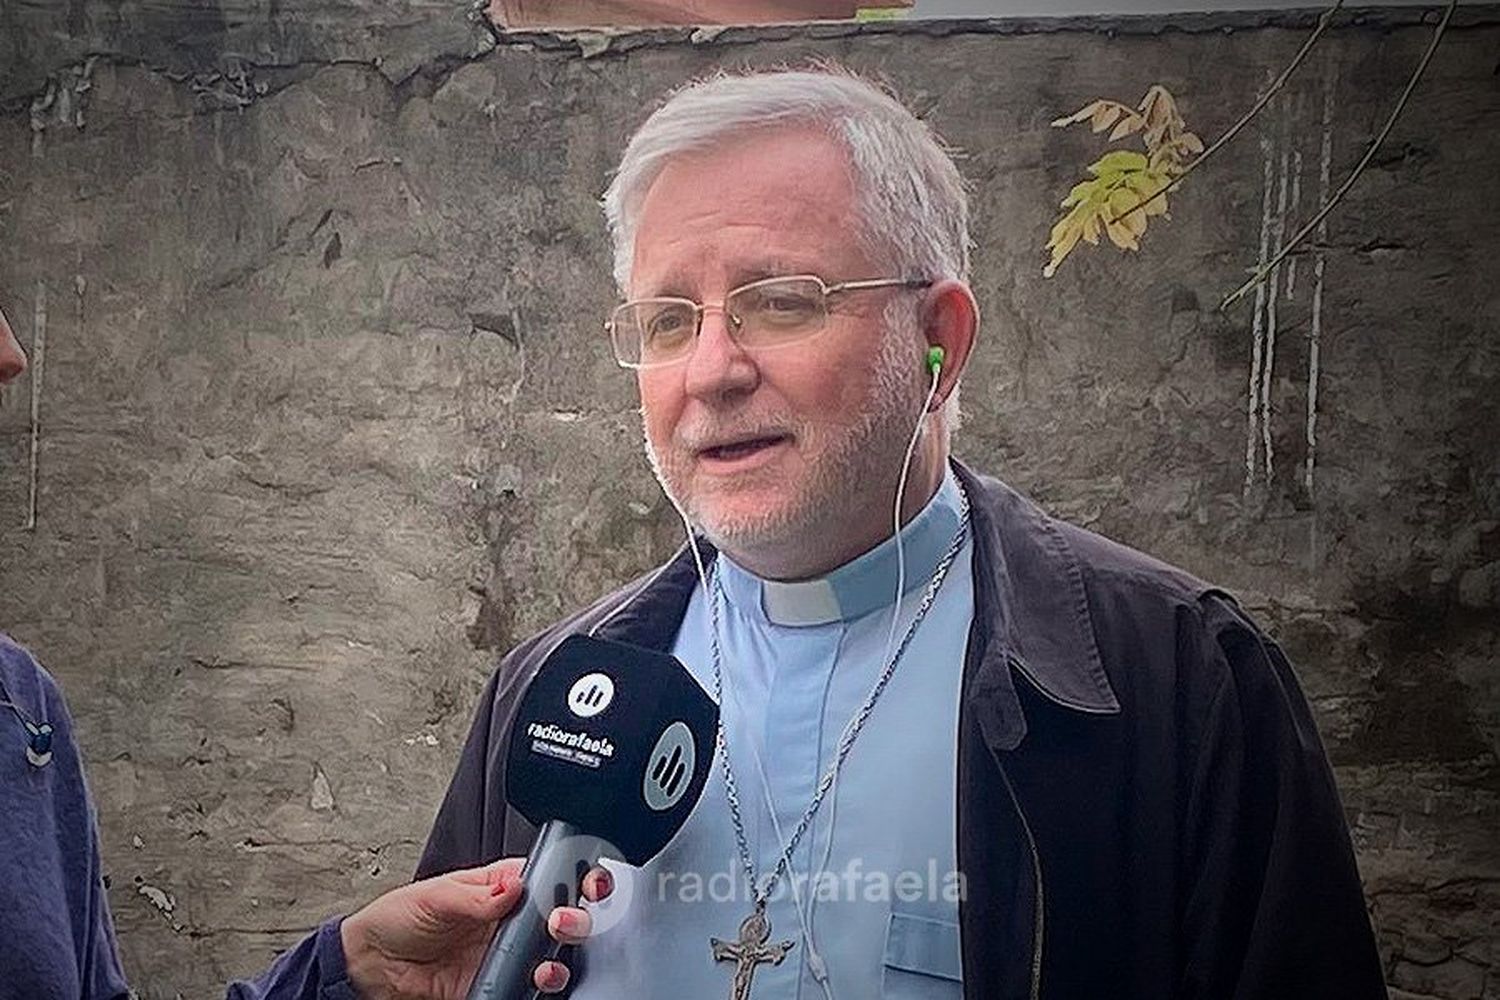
[{"x": 875, "y": 876}]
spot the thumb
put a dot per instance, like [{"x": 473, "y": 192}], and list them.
[
  {"x": 456, "y": 902},
  {"x": 491, "y": 873}
]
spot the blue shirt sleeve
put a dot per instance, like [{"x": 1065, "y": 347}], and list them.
[
  {"x": 99, "y": 970},
  {"x": 56, "y": 937},
  {"x": 314, "y": 970},
  {"x": 99, "y": 964}
]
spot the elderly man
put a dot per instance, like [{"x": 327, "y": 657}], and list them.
[{"x": 966, "y": 749}]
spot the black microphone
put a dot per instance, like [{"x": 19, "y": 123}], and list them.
[{"x": 610, "y": 748}]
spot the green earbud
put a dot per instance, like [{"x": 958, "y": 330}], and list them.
[{"x": 934, "y": 359}]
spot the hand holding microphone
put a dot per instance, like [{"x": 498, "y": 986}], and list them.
[
  {"x": 610, "y": 747},
  {"x": 428, "y": 938}
]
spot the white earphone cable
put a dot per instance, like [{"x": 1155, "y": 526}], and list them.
[
  {"x": 805, "y": 916},
  {"x": 815, "y": 958}
]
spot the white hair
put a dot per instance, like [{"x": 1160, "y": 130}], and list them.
[
  {"x": 910, "y": 200},
  {"x": 910, "y": 203}
]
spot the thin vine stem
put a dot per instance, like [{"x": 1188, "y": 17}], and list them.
[
  {"x": 1411, "y": 85},
  {"x": 1264, "y": 99}
]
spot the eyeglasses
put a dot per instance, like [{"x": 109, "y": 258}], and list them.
[{"x": 647, "y": 333}]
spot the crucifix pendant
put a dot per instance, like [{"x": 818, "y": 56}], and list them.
[{"x": 750, "y": 950}]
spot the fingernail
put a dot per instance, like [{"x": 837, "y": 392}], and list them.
[
  {"x": 566, "y": 922},
  {"x": 606, "y": 883}
]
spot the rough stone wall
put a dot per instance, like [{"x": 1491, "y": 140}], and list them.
[{"x": 327, "y": 423}]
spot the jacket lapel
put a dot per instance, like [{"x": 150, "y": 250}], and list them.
[{"x": 1030, "y": 616}]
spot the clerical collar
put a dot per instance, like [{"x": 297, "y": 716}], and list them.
[{"x": 864, "y": 584}]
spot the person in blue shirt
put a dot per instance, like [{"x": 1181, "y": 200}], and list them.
[
  {"x": 57, "y": 941},
  {"x": 55, "y": 934}
]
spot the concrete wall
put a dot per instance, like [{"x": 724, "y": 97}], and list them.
[{"x": 327, "y": 423}]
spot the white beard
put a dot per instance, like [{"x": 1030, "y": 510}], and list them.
[{"x": 857, "y": 467}]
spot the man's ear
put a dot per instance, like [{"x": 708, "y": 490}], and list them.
[{"x": 950, "y": 320}]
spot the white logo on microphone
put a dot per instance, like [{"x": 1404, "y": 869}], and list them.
[
  {"x": 590, "y": 695},
  {"x": 669, "y": 768}
]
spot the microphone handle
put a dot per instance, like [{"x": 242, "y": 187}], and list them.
[{"x": 554, "y": 868}]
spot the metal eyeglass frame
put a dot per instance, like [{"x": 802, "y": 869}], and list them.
[{"x": 700, "y": 309}]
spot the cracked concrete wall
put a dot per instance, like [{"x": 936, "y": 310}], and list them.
[{"x": 327, "y": 424}]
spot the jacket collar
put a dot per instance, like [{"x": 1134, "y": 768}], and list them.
[{"x": 1031, "y": 613}]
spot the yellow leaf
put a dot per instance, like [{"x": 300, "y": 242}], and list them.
[
  {"x": 1160, "y": 108},
  {"x": 1059, "y": 231},
  {"x": 1071, "y": 220},
  {"x": 1122, "y": 205},
  {"x": 1132, "y": 122},
  {"x": 1148, "y": 186},
  {"x": 1086, "y": 112},
  {"x": 1080, "y": 192},
  {"x": 1091, "y": 228},
  {"x": 1120, "y": 236},
  {"x": 1119, "y": 160},
  {"x": 1059, "y": 251},
  {"x": 1169, "y": 109},
  {"x": 1147, "y": 183},
  {"x": 1166, "y": 160}
]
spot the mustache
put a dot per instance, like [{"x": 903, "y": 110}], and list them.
[
  {"x": 696, "y": 440},
  {"x": 698, "y": 436}
]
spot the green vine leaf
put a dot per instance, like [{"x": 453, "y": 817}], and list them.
[{"x": 1125, "y": 187}]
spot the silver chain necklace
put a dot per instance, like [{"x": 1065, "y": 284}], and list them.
[{"x": 753, "y": 947}]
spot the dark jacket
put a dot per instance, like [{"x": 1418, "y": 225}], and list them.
[{"x": 1144, "y": 807}]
